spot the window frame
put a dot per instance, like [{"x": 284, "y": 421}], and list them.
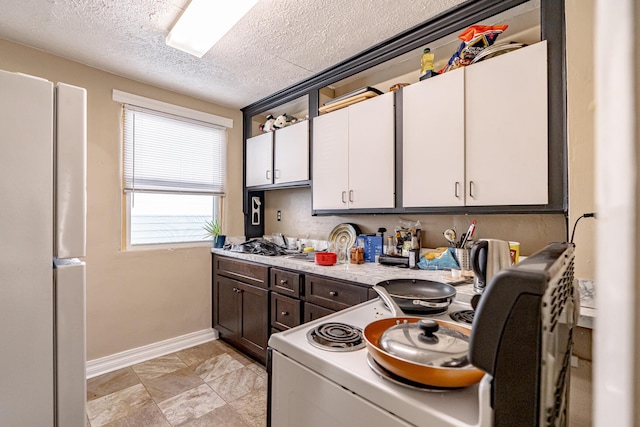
[{"x": 180, "y": 112}]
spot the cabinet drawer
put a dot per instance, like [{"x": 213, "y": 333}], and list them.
[
  {"x": 244, "y": 271},
  {"x": 333, "y": 294},
  {"x": 285, "y": 282},
  {"x": 313, "y": 312},
  {"x": 285, "y": 311}
]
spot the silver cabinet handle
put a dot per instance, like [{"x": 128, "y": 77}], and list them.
[
  {"x": 333, "y": 293},
  {"x": 283, "y": 281},
  {"x": 457, "y": 188},
  {"x": 471, "y": 189},
  {"x": 268, "y": 174},
  {"x": 285, "y": 313},
  {"x": 344, "y": 193},
  {"x": 351, "y": 195}
]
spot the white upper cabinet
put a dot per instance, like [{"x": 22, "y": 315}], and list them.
[
  {"x": 331, "y": 160},
  {"x": 433, "y": 141},
  {"x": 478, "y": 136},
  {"x": 292, "y": 153},
  {"x": 353, "y": 156},
  {"x": 291, "y": 147},
  {"x": 259, "y": 160},
  {"x": 372, "y": 153},
  {"x": 507, "y": 129}
]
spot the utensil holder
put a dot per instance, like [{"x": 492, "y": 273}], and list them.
[{"x": 463, "y": 256}]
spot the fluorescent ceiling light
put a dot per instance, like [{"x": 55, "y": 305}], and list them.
[{"x": 204, "y": 22}]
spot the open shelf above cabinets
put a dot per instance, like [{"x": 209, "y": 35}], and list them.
[
  {"x": 523, "y": 27},
  {"x": 297, "y": 109}
]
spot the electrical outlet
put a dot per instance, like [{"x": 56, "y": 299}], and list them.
[{"x": 279, "y": 213}]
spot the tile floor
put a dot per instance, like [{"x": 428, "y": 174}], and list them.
[{"x": 211, "y": 384}]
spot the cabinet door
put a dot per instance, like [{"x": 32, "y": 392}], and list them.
[
  {"x": 330, "y": 160},
  {"x": 292, "y": 153},
  {"x": 433, "y": 141},
  {"x": 506, "y": 129},
  {"x": 254, "y": 320},
  {"x": 226, "y": 310},
  {"x": 372, "y": 153},
  {"x": 259, "y": 160}
]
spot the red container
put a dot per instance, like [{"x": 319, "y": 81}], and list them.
[{"x": 326, "y": 258}]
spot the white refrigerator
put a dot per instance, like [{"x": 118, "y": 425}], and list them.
[{"x": 42, "y": 235}]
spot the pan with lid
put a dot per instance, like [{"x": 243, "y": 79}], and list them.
[{"x": 431, "y": 352}]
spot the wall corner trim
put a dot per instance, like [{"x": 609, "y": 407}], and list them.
[{"x": 126, "y": 358}]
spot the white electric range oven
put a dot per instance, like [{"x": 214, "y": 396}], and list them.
[
  {"x": 521, "y": 337},
  {"x": 311, "y": 386}
]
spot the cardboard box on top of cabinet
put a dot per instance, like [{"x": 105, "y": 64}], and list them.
[{"x": 372, "y": 247}]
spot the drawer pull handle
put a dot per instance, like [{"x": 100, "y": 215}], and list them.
[
  {"x": 283, "y": 281},
  {"x": 284, "y": 313},
  {"x": 333, "y": 293}
]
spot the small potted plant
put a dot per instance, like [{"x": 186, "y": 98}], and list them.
[{"x": 214, "y": 230}]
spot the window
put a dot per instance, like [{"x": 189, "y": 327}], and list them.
[{"x": 174, "y": 172}]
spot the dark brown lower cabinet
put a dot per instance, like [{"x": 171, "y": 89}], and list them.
[
  {"x": 252, "y": 300},
  {"x": 241, "y": 314}
]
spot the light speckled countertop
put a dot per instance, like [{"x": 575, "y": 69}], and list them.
[{"x": 372, "y": 273}]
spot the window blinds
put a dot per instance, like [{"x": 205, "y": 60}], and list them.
[{"x": 170, "y": 154}]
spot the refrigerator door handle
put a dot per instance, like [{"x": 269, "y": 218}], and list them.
[{"x": 70, "y": 171}]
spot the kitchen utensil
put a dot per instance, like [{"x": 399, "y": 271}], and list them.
[
  {"x": 326, "y": 258},
  {"x": 416, "y": 362},
  {"x": 419, "y": 296},
  {"x": 488, "y": 256},
  {"x": 344, "y": 234},
  {"x": 463, "y": 256},
  {"x": 469, "y": 234},
  {"x": 450, "y": 235}
]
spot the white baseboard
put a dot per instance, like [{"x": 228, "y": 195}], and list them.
[{"x": 126, "y": 358}]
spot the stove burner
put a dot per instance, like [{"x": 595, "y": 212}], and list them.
[
  {"x": 463, "y": 316},
  {"x": 336, "y": 337},
  {"x": 390, "y": 376}
]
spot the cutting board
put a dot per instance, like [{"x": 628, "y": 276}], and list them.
[{"x": 346, "y": 102}]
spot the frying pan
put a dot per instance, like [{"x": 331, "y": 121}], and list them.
[
  {"x": 438, "y": 376},
  {"x": 420, "y": 296}
]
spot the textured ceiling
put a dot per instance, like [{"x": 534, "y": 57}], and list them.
[{"x": 277, "y": 44}]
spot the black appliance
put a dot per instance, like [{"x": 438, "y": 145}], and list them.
[{"x": 523, "y": 337}]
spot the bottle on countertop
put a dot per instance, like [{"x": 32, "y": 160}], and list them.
[
  {"x": 426, "y": 64},
  {"x": 391, "y": 250}
]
